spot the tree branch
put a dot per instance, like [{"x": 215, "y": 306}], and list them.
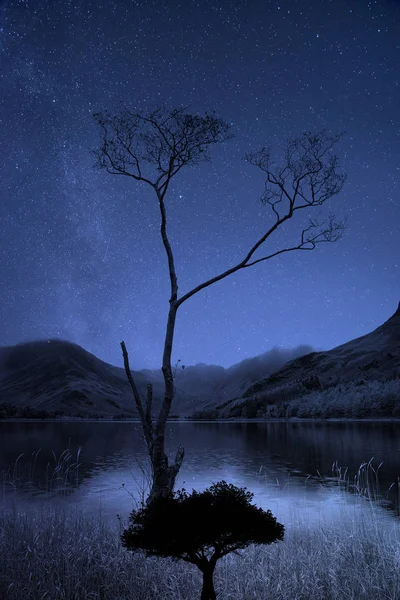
[
  {"x": 149, "y": 402},
  {"x": 306, "y": 163},
  {"x": 240, "y": 265}
]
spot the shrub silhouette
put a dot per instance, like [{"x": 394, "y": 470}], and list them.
[{"x": 201, "y": 527}]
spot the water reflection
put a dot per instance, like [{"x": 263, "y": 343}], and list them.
[{"x": 278, "y": 462}]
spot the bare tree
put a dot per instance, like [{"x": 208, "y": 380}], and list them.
[{"x": 152, "y": 149}]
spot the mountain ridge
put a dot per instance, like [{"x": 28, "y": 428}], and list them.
[
  {"x": 58, "y": 375},
  {"x": 373, "y": 357}
]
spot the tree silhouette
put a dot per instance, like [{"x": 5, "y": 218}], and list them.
[
  {"x": 201, "y": 528},
  {"x": 152, "y": 149}
]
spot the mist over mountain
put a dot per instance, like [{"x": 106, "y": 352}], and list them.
[
  {"x": 357, "y": 379},
  {"x": 60, "y": 376}
]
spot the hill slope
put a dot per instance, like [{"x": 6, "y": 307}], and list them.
[
  {"x": 370, "y": 363},
  {"x": 58, "y": 375}
]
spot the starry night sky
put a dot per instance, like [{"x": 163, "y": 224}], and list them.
[{"x": 81, "y": 256}]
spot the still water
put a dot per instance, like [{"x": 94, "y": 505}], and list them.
[{"x": 281, "y": 463}]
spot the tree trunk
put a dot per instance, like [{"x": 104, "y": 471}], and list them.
[
  {"x": 208, "y": 591},
  {"x": 164, "y": 475}
]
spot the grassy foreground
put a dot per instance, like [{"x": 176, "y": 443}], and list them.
[{"x": 67, "y": 555}]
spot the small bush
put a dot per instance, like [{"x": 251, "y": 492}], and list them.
[{"x": 201, "y": 528}]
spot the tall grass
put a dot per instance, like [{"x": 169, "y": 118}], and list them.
[
  {"x": 61, "y": 475},
  {"x": 54, "y": 554},
  {"x": 365, "y": 484}
]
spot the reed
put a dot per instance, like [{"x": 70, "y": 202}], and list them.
[
  {"x": 61, "y": 474},
  {"x": 54, "y": 554}
]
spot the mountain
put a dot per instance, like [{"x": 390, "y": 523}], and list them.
[
  {"x": 359, "y": 378},
  {"x": 57, "y": 375},
  {"x": 240, "y": 376}
]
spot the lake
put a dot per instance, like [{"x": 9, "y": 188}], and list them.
[{"x": 279, "y": 462}]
